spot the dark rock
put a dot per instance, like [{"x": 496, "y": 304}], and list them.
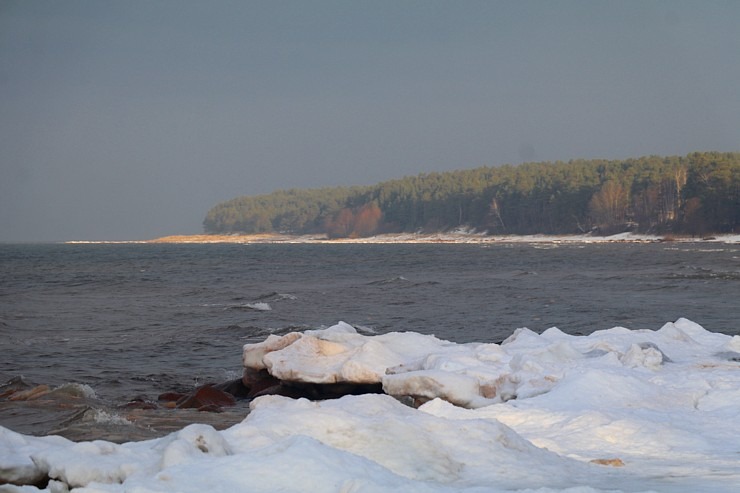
[
  {"x": 277, "y": 389},
  {"x": 171, "y": 396},
  {"x": 14, "y": 385},
  {"x": 315, "y": 391},
  {"x": 258, "y": 381},
  {"x": 235, "y": 388},
  {"x": 139, "y": 403},
  {"x": 205, "y": 396},
  {"x": 29, "y": 394}
]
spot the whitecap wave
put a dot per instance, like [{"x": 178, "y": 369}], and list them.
[
  {"x": 107, "y": 418},
  {"x": 76, "y": 390},
  {"x": 259, "y": 306}
]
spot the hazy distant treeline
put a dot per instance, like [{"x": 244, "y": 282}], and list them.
[{"x": 697, "y": 194}]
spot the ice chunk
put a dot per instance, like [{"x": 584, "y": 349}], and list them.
[
  {"x": 191, "y": 443},
  {"x": 456, "y": 388},
  {"x": 253, "y": 354},
  {"x": 645, "y": 355},
  {"x": 16, "y": 465}
]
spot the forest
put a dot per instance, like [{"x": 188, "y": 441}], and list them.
[{"x": 697, "y": 195}]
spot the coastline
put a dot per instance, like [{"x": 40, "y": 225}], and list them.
[{"x": 428, "y": 238}]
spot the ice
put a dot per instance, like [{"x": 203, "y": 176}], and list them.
[
  {"x": 337, "y": 354},
  {"x": 16, "y": 465},
  {"x": 617, "y": 410}
]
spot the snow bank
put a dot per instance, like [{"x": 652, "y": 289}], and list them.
[
  {"x": 458, "y": 236},
  {"x": 617, "y": 410}
]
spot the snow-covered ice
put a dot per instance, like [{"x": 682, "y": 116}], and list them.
[{"x": 540, "y": 412}]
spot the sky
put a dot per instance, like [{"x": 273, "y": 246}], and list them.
[{"x": 129, "y": 120}]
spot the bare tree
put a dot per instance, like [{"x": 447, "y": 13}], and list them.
[{"x": 609, "y": 205}]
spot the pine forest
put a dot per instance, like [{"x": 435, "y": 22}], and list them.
[{"x": 696, "y": 195}]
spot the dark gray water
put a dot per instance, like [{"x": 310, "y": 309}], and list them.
[{"x": 132, "y": 320}]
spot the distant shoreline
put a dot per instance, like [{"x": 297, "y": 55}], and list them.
[{"x": 421, "y": 238}]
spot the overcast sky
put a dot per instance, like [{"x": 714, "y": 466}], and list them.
[{"x": 130, "y": 119}]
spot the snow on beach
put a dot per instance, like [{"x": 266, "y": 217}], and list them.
[
  {"x": 458, "y": 236},
  {"x": 616, "y": 410}
]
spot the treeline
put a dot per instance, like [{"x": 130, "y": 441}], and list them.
[{"x": 698, "y": 194}]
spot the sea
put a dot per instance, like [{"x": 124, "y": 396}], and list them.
[{"x": 108, "y": 325}]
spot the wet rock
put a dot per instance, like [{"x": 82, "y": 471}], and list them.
[
  {"x": 30, "y": 394},
  {"x": 7, "y": 393},
  {"x": 171, "y": 396},
  {"x": 316, "y": 392},
  {"x": 139, "y": 403},
  {"x": 277, "y": 389},
  {"x": 14, "y": 385},
  {"x": 236, "y": 387},
  {"x": 258, "y": 381},
  {"x": 209, "y": 397},
  {"x": 206, "y": 395}
]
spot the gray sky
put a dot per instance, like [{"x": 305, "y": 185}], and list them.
[{"x": 130, "y": 119}]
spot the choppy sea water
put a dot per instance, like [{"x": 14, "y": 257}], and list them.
[{"x": 106, "y": 323}]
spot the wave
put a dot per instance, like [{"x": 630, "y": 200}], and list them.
[
  {"x": 253, "y": 332},
  {"x": 18, "y": 388},
  {"x": 275, "y": 296},
  {"x": 392, "y": 280},
  {"x": 96, "y": 415},
  {"x": 364, "y": 329},
  {"x": 75, "y": 391},
  {"x": 258, "y": 306},
  {"x": 260, "y": 303},
  {"x": 702, "y": 273}
]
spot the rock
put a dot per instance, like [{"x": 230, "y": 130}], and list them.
[
  {"x": 30, "y": 394},
  {"x": 257, "y": 381},
  {"x": 171, "y": 396},
  {"x": 316, "y": 392},
  {"x": 206, "y": 395},
  {"x": 7, "y": 393},
  {"x": 237, "y": 388},
  {"x": 14, "y": 385},
  {"x": 277, "y": 389},
  {"x": 209, "y": 397}
]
